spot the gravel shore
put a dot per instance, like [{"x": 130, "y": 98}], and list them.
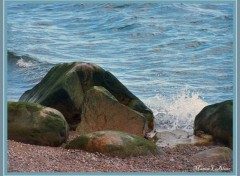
[{"x": 32, "y": 158}]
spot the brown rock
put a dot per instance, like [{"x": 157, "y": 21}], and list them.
[
  {"x": 102, "y": 111},
  {"x": 114, "y": 143}
]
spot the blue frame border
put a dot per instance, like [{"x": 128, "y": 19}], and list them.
[
  {"x": 237, "y": 52},
  {"x": 3, "y": 85}
]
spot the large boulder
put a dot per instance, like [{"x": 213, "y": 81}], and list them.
[
  {"x": 114, "y": 143},
  {"x": 35, "y": 124},
  {"x": 216, "y": 120},
  {"x": 102, "y": 111},
  {"x": 65, "y": 85}
]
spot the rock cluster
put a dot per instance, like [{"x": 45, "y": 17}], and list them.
[
  {"x": 107, "y": 117},
  {"x": 65, "y": 86},
  {"x": 90, "y": 99}
]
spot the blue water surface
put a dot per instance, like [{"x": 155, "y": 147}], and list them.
[{"x": 168, "y": 54}]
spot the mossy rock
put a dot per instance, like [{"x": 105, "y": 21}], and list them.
[
  {"x": 35, "y": 124},
  {"x": 114, "y": 143},
  {"x": 102, "y": 111},
  {"x": 65, "y": 85},
  {"x": 216, "y": 120}
]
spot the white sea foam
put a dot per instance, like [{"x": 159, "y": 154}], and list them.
[
  {"x": 176, "y": 112},
  {"x": 22, "y": 63}
]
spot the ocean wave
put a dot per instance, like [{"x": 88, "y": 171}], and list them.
[
  {"x": 22, "y": 63},
  {"x": 12, "y": 57},
  {"x": 177, "y": 112},
  {"x": 147, "y": 45},
  {"x": 25, "y": 61},
  {"x": 15, "y": 58},
  {"x": 24, "y": 72}
]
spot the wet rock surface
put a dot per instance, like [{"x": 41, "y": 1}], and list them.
[
  {"x": 65, "y": 85},
  {"x": 115, "y": 143},
  {"x": 35, "y": 124},
  {"x": 216, "y": 120}
]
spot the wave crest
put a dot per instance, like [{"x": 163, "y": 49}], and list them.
[
  {"x": 176, "y": 112},
  {"x": 22, "y": 63},
  {"x": 14, "y": 58}
]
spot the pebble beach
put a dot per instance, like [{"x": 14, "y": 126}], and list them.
[{"x": 32, "y": 158}]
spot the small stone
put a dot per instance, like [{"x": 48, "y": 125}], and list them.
[{"x": 172, "y": 159}]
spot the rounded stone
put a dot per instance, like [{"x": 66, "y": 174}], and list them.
[
  {"x": 114, "y": 143},
  {"x": 35, "y": 124}
]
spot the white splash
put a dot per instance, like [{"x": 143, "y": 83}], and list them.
[
  {"x": 176, "y": 112},
  {"x": 22, "y": 63}
]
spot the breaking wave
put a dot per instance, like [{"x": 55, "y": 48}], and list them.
[
  {"x": 176, "y": 112},
  {"x": 22, "y": 63},
  {"x": 23, "y": 73}
]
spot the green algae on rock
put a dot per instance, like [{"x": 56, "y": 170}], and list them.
[
  {"x": 65, "y": 85},
  {"x": 35, "y": 124},
  {"x": 114, "y": 143}
]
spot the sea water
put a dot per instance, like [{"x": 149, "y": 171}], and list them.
[{"x": 176, "y": 57}]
